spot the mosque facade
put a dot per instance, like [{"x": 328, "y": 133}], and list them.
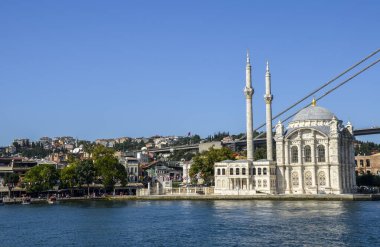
[{"x": 314, "y": 154}]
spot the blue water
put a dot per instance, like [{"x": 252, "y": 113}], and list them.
[{"x": 192, "y": 223}]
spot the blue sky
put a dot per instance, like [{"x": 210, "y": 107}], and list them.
[{"x": 103, "y": 69}]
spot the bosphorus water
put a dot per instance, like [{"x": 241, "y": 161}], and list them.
[{"x": 192, "y": 223}]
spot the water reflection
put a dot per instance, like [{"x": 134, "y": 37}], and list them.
[{"x": 192, "y": 223}]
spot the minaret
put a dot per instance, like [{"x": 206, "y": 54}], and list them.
[
  {"x": 248, "y": 92},
  {"x": 268, "y": 97}
]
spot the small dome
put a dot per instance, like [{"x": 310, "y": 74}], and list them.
[{"x": 313, "y": 113}]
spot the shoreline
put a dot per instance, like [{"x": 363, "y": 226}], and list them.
[{"x": 343, "y": 197}]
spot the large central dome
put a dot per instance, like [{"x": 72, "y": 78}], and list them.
[{"x": 313, "y": 113}]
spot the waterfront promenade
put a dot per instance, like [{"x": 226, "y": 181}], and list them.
[{"x": 184, "y": 197}]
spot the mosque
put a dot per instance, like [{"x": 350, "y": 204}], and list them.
[{"x": 314, "y": 154}]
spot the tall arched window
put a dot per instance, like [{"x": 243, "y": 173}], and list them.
[
  {"x": 231, "y": 171},
  {"x": 254, "y": 171},
  {"x": 223, "y": 171},
  {"x": 218, "y": 171},
  {"x": 307, "y": 153},
  {"x": 322, "y": 178},
  {"x": 237, "y": 171},
  {"x": 264, "y": 171},
  {"x": 308, "y": 179},
  {"x": 321, "y": 153},
  {"x": 295, "y": 179},
  {"x": 294, "y": 154},
  {"x": 243, "y": 171}
]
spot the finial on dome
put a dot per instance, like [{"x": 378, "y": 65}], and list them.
[
  {"x": 267, "y": 66},
  {"x": 313, "y": 102},
  {"x": 248, "y": 60}
]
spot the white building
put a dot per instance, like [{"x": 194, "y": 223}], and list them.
[{"x": 314, "y": 155}]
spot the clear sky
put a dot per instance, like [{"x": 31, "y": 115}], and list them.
[{"x": 104, "y": 69}]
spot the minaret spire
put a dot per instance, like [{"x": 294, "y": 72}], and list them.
[
  {"x": 248, "y": 92},
  {"x": 268, "y": 97}
]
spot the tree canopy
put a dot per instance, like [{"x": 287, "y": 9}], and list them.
[
  {"x": 203, "y": 163},
  {"x": 41, "y": 177}
]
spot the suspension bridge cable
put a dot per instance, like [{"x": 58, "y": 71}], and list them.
[
  {"x": 327, "y": 93},
  {"x": 337, "y": 86},
  {"x": 321, "y": 87}
]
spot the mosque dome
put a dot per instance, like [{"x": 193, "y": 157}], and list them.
[{"x": 313, "y": 112}]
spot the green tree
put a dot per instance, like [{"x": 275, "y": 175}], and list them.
[
  {"x": 69, "y": 177},
  {"x": 108, "y": 167},
  {"x": 41, "y": 177},
  {"x": 203, "y": 163},
  {"x": 11, "y": 180},
  {"x": 85, "y": 172},
  {"x": 259, "y": 153}
]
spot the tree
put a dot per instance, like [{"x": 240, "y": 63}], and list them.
[
  {"x": 68, "y": 176},
  {"x": 41, "y": 177},
  {"x": 108, "y": 167},
  {"x": 111, "y": 171},
  {"x": 11, "y": 180},
  {"x": 203, "y": 163},
  {"x": 85, "y": 172},
  {"x": 260, "y": 153}
]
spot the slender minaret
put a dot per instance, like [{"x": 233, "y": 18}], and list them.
[
  {"x": 248, "y": 92},
  {"x": 268, "y": 97}
]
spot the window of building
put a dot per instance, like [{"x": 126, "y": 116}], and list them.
[
  {"x": 254, "y": 171},
  {"x": 264, "y": 171},
  {"x": 231, "y": 171},
  {"x": 264, "y": 183},
  {"x": 294, "y": 154},
  {"x": 307, "y": 153},
  {"x": 295, "y": 179},
  {"x": 321, "y": 153},
  {"x": 237, "y": 171},
  {"x": 259, "y": 183},
  {"x": 361, "y": 163},
  {"x": 258, "y": 171},
  {"x": 308, "y": 179},
  {"x": 223, "y": 171},
  {"x": 368, "y": 163},
  {"x": 218, "y": 171},
  {"x": 321, "y": 178},
  {"x": 243, "y": 171}
]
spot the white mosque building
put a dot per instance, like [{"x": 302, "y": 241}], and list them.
[{"x": 314, "y": 154}]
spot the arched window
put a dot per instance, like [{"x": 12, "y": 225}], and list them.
[
  {"x": 231, "y": 171},
  {"x": 218, "y": 171},
  {"x": 307, "y": 153},
  {"x": 258, "y": 171},
  {"x": 237, "y": 171},
  {"x": 322, "y": 178},
  {"x": 243, "y": 171},
  {"x": 254, "y": 171},
  {"x": 295, "y": 179},
  {"x": 259, "y": 183},
  {"x": 294, "y": 154},
  {"x": 223, "y": 171},
  {"x": 264, "y": 171},
  {"x": 308, "y": 179},
  {"x": 321, "y": 153},
  {"x": 264, "y": 183}
]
